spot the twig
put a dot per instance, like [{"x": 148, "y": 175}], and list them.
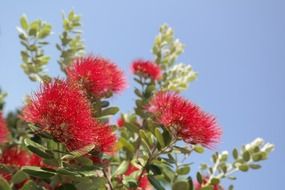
[
  {"x": 108, "y": 179},
  {"x": 153, "y": 156}
]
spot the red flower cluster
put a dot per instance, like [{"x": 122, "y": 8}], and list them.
[
  {"x": 192, "y": 124},
  {"x": 146, "y": 68},
  {"x": 143, "y": 183},
  {"x": 63, "y": 110},
  {"x": 105, "y": 139},
  {"x": 4, "y": 132},
  {"x": 17, "y": 157},
  {"x": 98, "y": 76}
]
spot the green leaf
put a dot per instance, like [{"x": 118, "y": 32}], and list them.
[
  {"x": 231, "y": 177},
  {"x": 138, "y": 81},
  {"x": 104, "y": 104},
  {"x": 179, "y": 185},
  {"x": 215, "y": 157},
  {"x": 231, "y": 187},
  {"x": 19, "y": 177},
  {"x": 246, "y": 156},
  {"x": 259, "y": 156},
  {"x": 24, "y": 22},
  {"x": 146, "y": 145},
  {"x": 30, "y": 185},
  {"x": 224, "y": 168},
  {"x": 199, "y": 149},
  {"x": 224, "y": 157},
  {"x": 255, "y": 166},
  {"x": 203, "y": 166},
  {"x": 97, "y": 183},
  {"x": 66, "y": 172},
  {"x": 145, "y": 140},
  {"x": 168, "y": 173},
  {"x": 207, "y": 188},
  {"x": 199, "y": 177},
  {"x": 155, "y": 169},
  {"x": 215, "y": 181},
  {"x": 159, "y": 137},
  {"x": 37, "y": 172},
  {"x": 34, "y": 27},
  {"x": 45, "y": 31},
  {"x": 131, "y": 127},
  {"x": 88, "y": 173},
  {"x": 171, "y": 159},
  {"x": 40, "y": 153},
  {"x": 183, "y": 150},
  {"x": 5, "y": 168},
  {"x": 127, "y": 145},
  {"x": 122, "y": 168},
  {"x": 184, "y": 170},
  {"x": 4, "y": 185},
  {"x": 235, "y": 153},
  {"x": 79, "y": 152},
  {"x": 190, "y": 182},
  {"x": 37, "y": 149},
  {"x": 243, "y": 168},
  {"x": 167, "y": 137},
  {"x": 130, "y": 181},
  {"x": 155, "y": 183},
  {"x": 110, "y": 111},
  {"x": 66, "y": 187},
  {"x": 149, "y": 90},
  {"x": 138, "y": 93},
  {"x": 139, "y": 103}
]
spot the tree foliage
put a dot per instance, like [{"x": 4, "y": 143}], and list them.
[{"x": 153, "y": 142}]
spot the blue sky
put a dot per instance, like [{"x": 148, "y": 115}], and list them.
[{"x": 236, "y": 46}]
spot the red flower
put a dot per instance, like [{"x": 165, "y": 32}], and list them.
[
  {"x": 104, "y": 138},
  {"x": 120, "y": 122},
  {"x": 192, "y": 124},
  {"x": 146, "y": 68},
  {"x": 98, "y": 76},
  {"x": 63, "y": 111},
  {"x": 4, "y": 132},
  {"x": 17, "y": 157},
  {"x": 143, "y": 183}
]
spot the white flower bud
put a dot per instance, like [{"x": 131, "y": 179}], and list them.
[
  {"x": 225, "y": 153},
  {"x": 257, "y": 142},
  {"x": 268, "y": 147}
]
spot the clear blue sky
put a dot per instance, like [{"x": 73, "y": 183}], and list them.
[{"x": 236, "y": 46}]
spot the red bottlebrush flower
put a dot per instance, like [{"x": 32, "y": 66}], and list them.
[
  {"x": 143, "y": 183},
  {"x": 192, "y": 124},
  {"x": 104, "y": 138},
  {"x": 4, "y": 132},
  {"x": 63, "y": 111},
  {"x": 98, "y": 76},
  {"x": 120, "y": 122},
  {"x": 17, "y": 157},
  {"x": 146, "y": 68}
]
